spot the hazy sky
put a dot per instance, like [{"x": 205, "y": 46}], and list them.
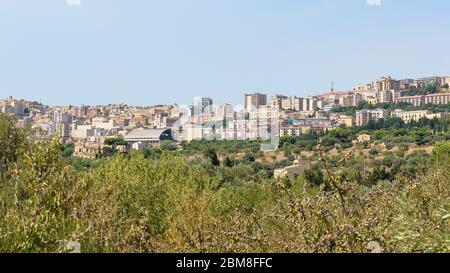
[{"x": 146, "y": 52}]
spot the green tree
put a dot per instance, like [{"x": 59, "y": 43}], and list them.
[
  {"x": 422, "y": 136},
  {"x": 212, "y": 156},
  {"x": 167, "y": 145},
  {"x": 441, "y": 154},
  {"x": 67, "y": 149},
  {"x": 314, "y": 177},
  {"x": 12, "y": 141},
  {"x": 228, "y": 162}
]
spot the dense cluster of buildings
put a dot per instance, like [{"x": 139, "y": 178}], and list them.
[{"x": 262, "y": 118}]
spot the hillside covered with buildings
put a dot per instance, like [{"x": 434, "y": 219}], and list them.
[{"x": 89, "y": 127}]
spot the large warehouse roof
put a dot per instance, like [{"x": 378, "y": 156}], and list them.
[{"x": 143, "y": 134}]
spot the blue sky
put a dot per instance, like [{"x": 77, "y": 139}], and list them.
[{"x": 146, "y": 52}]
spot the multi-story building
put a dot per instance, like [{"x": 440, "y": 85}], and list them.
[
  {"x": 254, "y": 101},
  {"x": 444, "y": 80},
  {"x": 306, "y": 105},
  {"x": 292, "y": 103},
  {"x": 408, "y": 116},
  {"x": 61, "y": 123},
  {"x": 405, "y": 84},
  {"x": 78, "y": 111},
  {"x": 18, "y": 108},
  {"x": 295, "y": 127},
  {"x": 13, "y": 107},
  {"x": 277, "y": 101},
  {"x": 346, "y": 101},
  {"x": 385, "y": 96},
  {"x": 414, "y": 100},
  {"x": 356, "y": 99},
  {"x": 346, "y": 121},
  {"x": 202, "y": 105},
  {"x": 104, "y": 123},
  {"x": 88, "y": 150},
  {"x": 294, "y": 130},
  {"x": 224, "y": 110},
  {"x": 439, "y": 98},
  {"x": 313, "y": 103},
  {"x": 387, "y": 84},
  {"x": 364, "y": 116},
  {"x": 422, "y": 82},
  {"x": 363, "y": 88},
  {"x": 351, "y": 99}
]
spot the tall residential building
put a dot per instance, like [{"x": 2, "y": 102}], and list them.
[
  {"x": 364, "y": 116},
  {"x": 444, "y": 80},
  {"x": 387, "y": 84},
  {"x": 405, "y": 84},
  {"x": 254, "y": 101},
  {"x": 202, "y": 105},
  {"x": 62, "y": 122},
  {"x": 357, "y": 98},
  {"x": 307, "y": 104},
  {"x": 292, "y": 103},
  {"x": 224, "y": 110},
  {"x": 277, "y": 101},
  {"x": 386, "y": 96},
  {"x": 311, "y": 103}
]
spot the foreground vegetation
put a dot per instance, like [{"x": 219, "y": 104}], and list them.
[{"x": 173, "y": 202}]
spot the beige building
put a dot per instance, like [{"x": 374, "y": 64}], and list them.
[
  {"x": 346, "y": 120},
  {"x": 104, "y": 123},
  {"x": 408, "y": 116},
  {"x": 363, "y": 138},
  {"x": 372, "y": 100},
  {"x": 414, "y": 100},
  {"x": 88, "y": 150},
  {"x": 363, "y": 88},
  {"x": 387, "y": 84},
  {"x": 292, "y": 103},
  {"x": 445, "y": 80},
  {"x": 277, "y": 101},
  {"x": 292, "y": 172},
  {"x": 439, "y": 98}
]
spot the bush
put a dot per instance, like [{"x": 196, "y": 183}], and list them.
[
  {"x": 179, "y": 203},
  {"x": 373, "y": 152},
  {"x": 13, "y": 141},
  {"x": 167, "y": 145}
]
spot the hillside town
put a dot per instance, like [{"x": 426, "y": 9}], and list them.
[{"x": 90, "y": 127}]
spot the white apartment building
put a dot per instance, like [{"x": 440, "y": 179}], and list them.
[
  {"x": 364, "y": 116},
  {"x": 104, "y": 123},
  {"x": 363, "y": 88}
]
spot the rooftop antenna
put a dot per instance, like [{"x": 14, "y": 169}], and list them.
[{"x": 332, "y": 87}]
